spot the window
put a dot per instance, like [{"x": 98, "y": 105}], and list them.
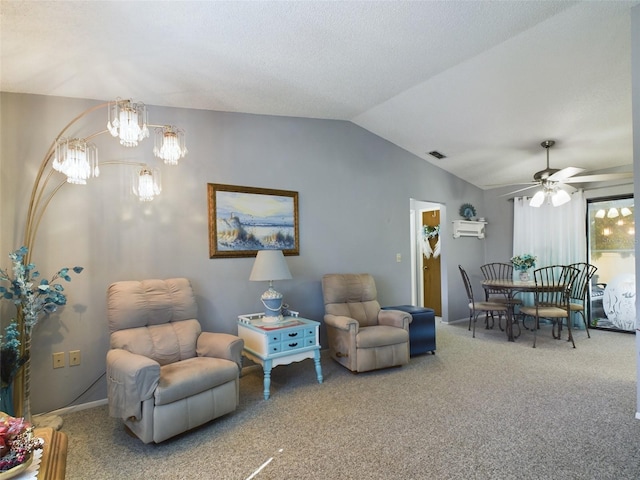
[{"x": 611, "y": 248}]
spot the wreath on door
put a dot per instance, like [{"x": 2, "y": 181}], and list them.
[{"x": 429, "y": 232}]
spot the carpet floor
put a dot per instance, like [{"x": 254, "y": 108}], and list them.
[{"x": 480, "y": 408}]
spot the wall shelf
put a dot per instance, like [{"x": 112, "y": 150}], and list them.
[{"x": 467, "y": 228}]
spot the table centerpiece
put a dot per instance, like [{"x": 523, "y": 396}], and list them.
[{"x": 523, "y": 263}]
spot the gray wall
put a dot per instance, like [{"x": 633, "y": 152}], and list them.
[{"x": 354, "y": 190}]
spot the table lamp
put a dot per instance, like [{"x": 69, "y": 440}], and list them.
[{"x": 270, "y": 265}]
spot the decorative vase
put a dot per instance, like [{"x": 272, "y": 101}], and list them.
[
  {"x": 6, "y": 400},
  {"x": 22, "y": 382},
  {"x": 524, "y": 276}
]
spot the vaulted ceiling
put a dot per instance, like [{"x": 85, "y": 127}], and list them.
[{"x": 483, "y": 82}]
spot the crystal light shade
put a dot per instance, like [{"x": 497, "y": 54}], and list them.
[
  {"x": 169, "y": 144},
  {"x": 77, "y": 159},
  {"x": 146, "y": 184},
  {"x": 128, "y": 121}
]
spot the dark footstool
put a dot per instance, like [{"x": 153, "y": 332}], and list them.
[{"x": 422, "y": 330}]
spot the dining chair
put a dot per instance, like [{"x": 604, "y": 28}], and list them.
[
  {"x": 476, "y": 308},
  {"x": 580, "y": 290},
  {"x": 551, "y": 299},
  {"x": 498, "y": 271}
]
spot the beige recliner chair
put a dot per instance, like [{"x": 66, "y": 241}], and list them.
[
  {"x": 164, "y": 375},
  {"x": 361, "y": 336}
]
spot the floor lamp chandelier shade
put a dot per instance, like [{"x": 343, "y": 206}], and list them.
[
  {"x": 146, "y": 183},
  {"x": 77, "y": 159},
  {"x": 169, "y": 144},
  {"x": 128, "y": 121}
]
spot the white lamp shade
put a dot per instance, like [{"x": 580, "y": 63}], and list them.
[
  {"x": 560, "y": 198},
  {"x": 538, "y": 199},
  {"x": 612, "y": 213},
  {"x": 270, "y": 265},
  {"x": 625, "y": 211}
]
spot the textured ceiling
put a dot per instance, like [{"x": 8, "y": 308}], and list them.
[{"x": 483, "y": 82}]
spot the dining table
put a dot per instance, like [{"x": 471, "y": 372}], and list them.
[{"x": 510, "y": 287}]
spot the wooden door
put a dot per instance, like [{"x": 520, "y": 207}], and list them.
[{"x": 431, "y": 268}]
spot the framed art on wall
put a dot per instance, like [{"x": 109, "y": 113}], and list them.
[{"x": 244, "y": 220}]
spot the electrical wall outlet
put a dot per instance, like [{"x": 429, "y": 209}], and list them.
[
  {"x": 74, "y": 358},
  {"x": 58, "y": 360}
]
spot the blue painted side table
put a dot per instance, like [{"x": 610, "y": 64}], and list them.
[{"x": 270, "y": 344}]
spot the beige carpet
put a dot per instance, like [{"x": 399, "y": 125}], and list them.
[{"x": 480, "y": 408}]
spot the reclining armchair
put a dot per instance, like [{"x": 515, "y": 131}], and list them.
[
  {"x": 164, "y": 375},
  {"x": 361, "y": 336}
]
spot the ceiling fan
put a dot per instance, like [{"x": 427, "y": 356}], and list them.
[{"x": 554, "y": 182}]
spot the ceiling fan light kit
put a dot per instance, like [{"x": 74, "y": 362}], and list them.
[
  {"x": 550, "y": 179},
  {"x": 553, "y": 182}
]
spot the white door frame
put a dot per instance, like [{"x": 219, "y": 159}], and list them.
[{"x": 417, "y": 279}]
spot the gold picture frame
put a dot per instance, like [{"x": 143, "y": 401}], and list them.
[{"x": 245, "y": 220}]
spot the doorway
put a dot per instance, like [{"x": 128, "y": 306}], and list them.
[
  {"x": 428, "y": 272},
  {"x": 431, "y": 271}
]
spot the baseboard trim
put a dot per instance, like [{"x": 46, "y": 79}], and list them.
[{"x": 74, "y": 408}]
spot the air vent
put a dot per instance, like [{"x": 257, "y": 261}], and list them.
[{"x": 437, "y": 155}]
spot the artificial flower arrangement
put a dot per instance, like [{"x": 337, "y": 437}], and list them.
[
  {"x": 524, "y": 262},
  {"x": 429, "y": 232},
  {"x": 33, "y": 297},
  {"x": 16, "y": 442}
]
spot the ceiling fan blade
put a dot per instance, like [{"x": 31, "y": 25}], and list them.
[
  {"x": 512, "y": 184},
  {"x": 603, "y": 177},
  {"x": 565, "y": 173},
  {"x": 567, "y": 188},
  {"x": 520, "y": 190}
]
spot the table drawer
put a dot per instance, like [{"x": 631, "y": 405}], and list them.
[
  {"x": 274, "y": 337},
  {"x": 292, "y": 344},
  {"x": 292, "y": 335}
]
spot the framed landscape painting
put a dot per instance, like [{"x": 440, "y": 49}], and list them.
[{"x": 244, "y": 220}]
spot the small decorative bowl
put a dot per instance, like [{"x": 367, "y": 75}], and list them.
[{"x": 18, "y": 469}]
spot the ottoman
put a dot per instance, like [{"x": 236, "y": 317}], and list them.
[{"x": 422, "y": 330}]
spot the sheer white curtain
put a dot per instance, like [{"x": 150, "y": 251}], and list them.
[{"x": 556, "y": 235}]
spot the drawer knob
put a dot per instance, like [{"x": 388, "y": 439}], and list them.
[
  {"x": 293, "y": 344},
  {"x": 294, "y": 334}
]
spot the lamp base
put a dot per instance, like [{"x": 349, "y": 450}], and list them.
[
  {"x": 43, "y": 421},
  {"x": 271, "y": 319},
  {"x": 272, "y": 306}
]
